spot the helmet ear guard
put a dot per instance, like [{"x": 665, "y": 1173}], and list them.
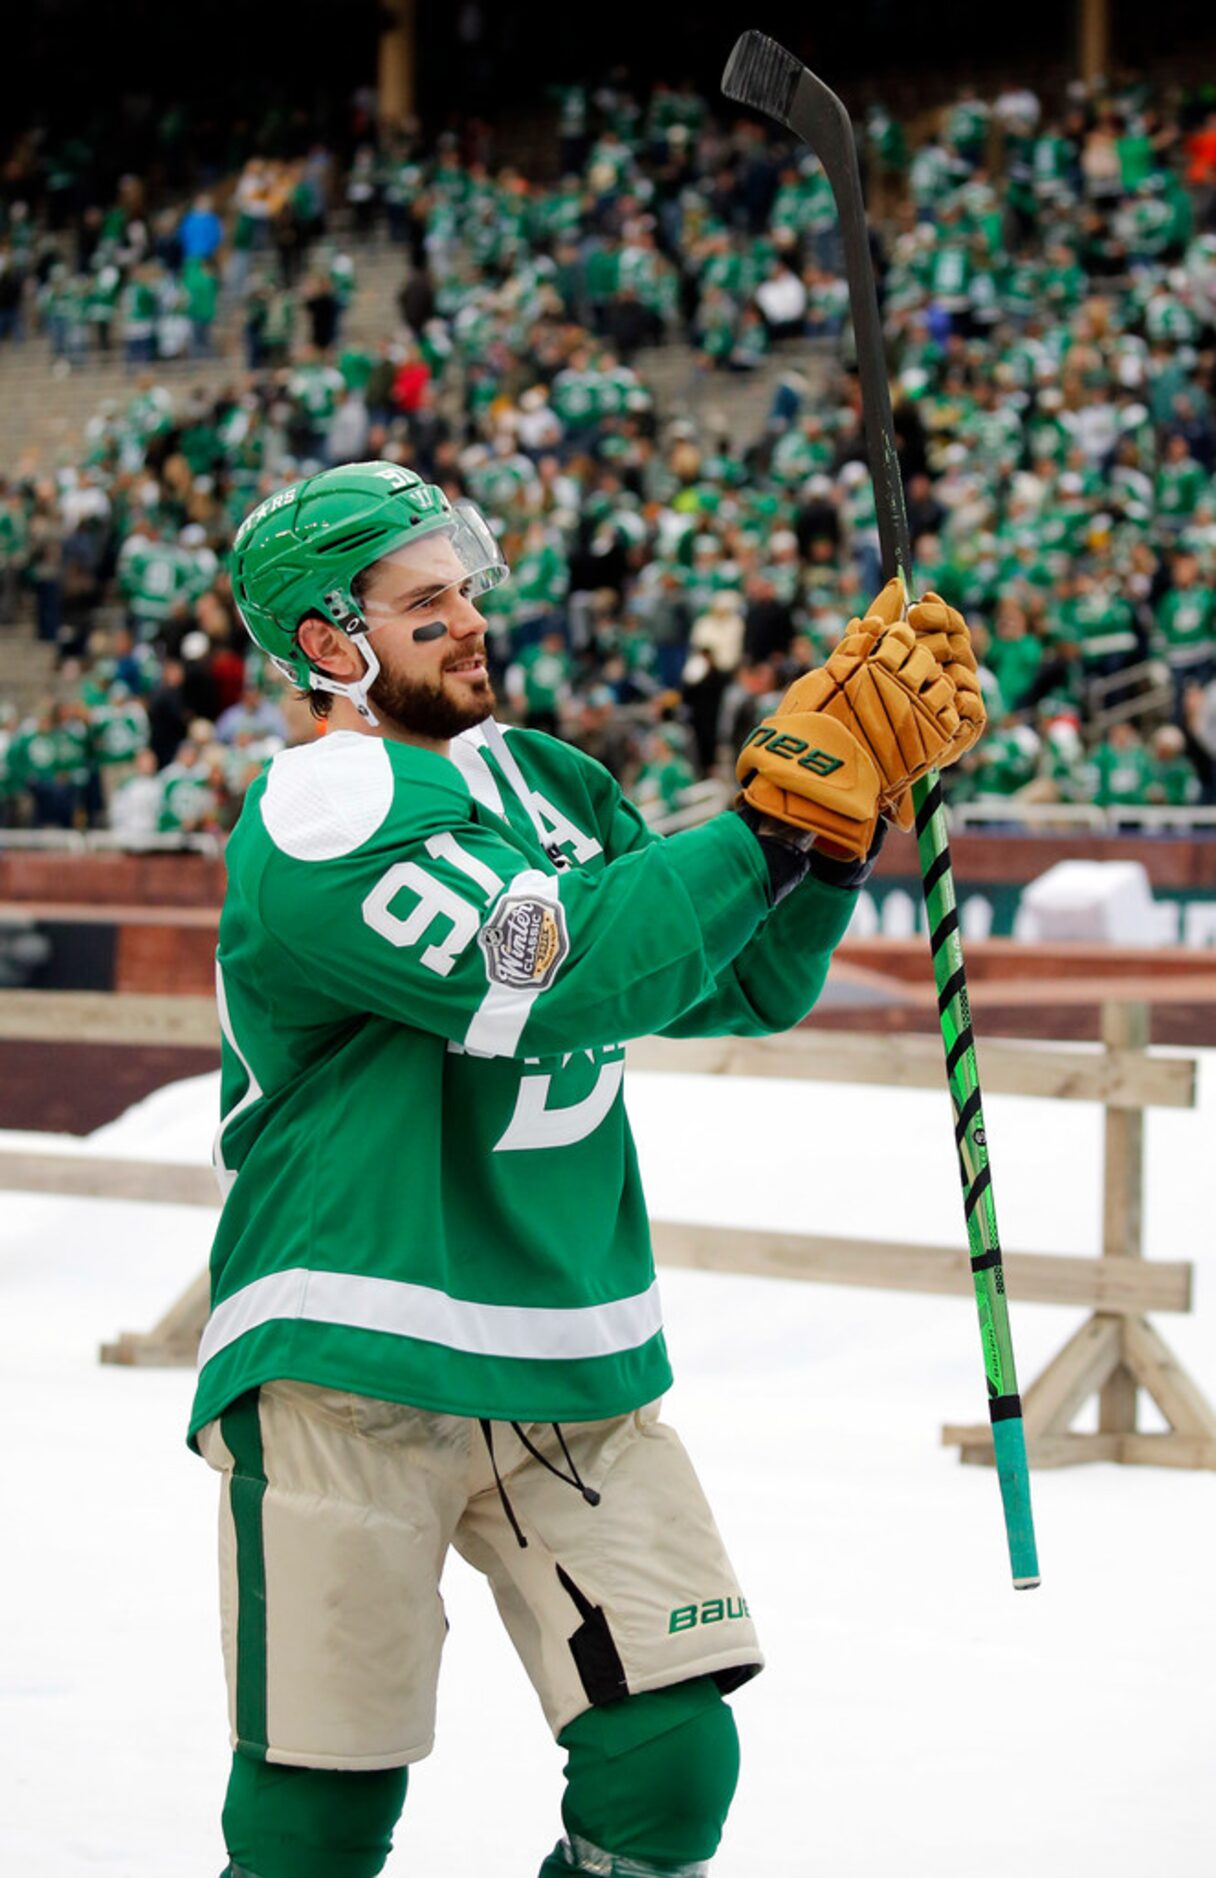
[
  {"x": 356, "y": 689},
  {"x": 341, "y": 610}
]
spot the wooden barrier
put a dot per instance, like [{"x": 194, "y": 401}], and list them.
[
  {"x": 1115, "y": 1354},
  {"x": 108, "y": 1017}
]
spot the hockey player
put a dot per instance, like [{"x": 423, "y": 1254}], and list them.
[{"x": 435, "y": 1319}]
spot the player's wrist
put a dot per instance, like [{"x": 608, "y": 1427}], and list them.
[
  {"x": 844, "y": 870},
  {"x": 792, "y": 854},
  {"x": 786, "y": 850}
]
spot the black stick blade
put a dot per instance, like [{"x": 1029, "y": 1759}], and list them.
[{"x": 762, "y": 75}]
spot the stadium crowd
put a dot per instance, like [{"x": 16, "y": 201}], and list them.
[{"x": 1049, "y": 295}]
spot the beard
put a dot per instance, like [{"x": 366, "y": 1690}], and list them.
[{"x": 431, "y": 708}]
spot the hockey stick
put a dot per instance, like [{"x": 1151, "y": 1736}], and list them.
[{"x": 765, "y": 77}]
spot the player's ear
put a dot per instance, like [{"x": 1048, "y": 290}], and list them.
[{"x": 326, "y": 646}]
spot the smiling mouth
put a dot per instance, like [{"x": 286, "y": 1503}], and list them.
[{"x": 472, "y": 667}]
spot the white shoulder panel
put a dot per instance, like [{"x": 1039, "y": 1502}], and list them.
[
  {"x": 327, "y": 798},
  {"x": 466, "y": 752}
]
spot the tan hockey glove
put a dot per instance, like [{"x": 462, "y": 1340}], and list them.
[
  {"x": 943, "y": 632},
  {"x": 818, "y": 773},
  {"x": 809, "y": 771},
  {"x": 891, "y": 694}
]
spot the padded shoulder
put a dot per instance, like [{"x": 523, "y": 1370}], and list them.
[{"x": 327, "y": 799}]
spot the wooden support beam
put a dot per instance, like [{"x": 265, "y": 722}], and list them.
[
  {"x": 139, "y": 1349},
  {"x": 108, "y": 1017},
  {"x": 1083, "y": 1365},
  {"x": 1155, "y": 1367},
  {"x": 1124, "y": 1027},
  {"x": 1119, "y": 1078},
  {"x": 1093, "y": 40},
  {"x": 173, "y": 1342},
  {"x": 1167, "y": 1451},
  {"x": 87, "y": 1176},
  {"x": 891, "y": 1266},
  {"x": 1122, "y": 1079},
  {"x": 396, "y": 75},
  {"x": 974, "y": 1443},
  {"x": 1033, "y": 1277},
  {"x": 1074, "y": 1450},
  {"x": 1086, "y": 1364}
]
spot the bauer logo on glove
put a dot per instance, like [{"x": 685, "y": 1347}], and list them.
[
  {"x": 797, "y": 748},
  {"x": 807, "y": 770}
]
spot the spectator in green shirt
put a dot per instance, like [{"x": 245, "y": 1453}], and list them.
[
  {"x": 1173, "y": 781},
  {"x": 1121, "y": 769},
  {"x": 1180, "y": 482},
  {"x": 1014, "y": 655},
  {"x": 538, "y": 684},
  {"x": 48, "y": 758},
  {"x": 201, "y": 280},
  {"x": 1185, "y": 623},
  {"x": 1005, "y": 761},
  {"x": 666, "y": 774}
]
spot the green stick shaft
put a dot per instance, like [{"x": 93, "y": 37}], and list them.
[
  {"x": 764, "y": 76},
  {"x": 987, "y": 1271},
  {"x": 937, "y": 878},
  {"x": 945, "y": 940}
]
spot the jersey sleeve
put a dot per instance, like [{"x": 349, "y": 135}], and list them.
[
  {"x": 458, "y": 933},
  {"x": 778, "y": 975}
]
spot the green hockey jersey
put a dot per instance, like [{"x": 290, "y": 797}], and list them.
[{"x": 428, "y": 968}]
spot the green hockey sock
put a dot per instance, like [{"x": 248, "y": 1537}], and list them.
[
  {"x": 650, "y": 1779},
  {"x": 310, "y": 1822}
]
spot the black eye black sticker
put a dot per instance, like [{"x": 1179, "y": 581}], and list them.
[{"x": 435, "y": 630}]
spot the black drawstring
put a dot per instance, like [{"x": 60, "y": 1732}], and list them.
[
  {"x": 572, "y": 1479},
  {"x": 487, "y": 1432}
]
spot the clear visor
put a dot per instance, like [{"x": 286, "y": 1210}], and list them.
[{"x": 464, "y": 553}]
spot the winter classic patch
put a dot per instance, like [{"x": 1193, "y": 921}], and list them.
[{"x": 524, "y": 941}]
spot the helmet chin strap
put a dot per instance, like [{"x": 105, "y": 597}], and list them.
[{"x": 358, "y": 688}]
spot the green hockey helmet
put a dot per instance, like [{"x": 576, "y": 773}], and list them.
[{"x": 301, "y": 551}]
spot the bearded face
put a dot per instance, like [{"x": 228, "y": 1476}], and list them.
[{"x": 435, "y": 705}]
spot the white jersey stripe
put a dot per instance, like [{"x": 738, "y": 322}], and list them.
[
  {"x": 223, "y": 1173},
  {"x": 405, "y": 1310},
  {"x": 465, "y": 752},
  {"x": 499, "y": 1019}
]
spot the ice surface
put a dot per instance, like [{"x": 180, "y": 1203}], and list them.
[{"x": 918, "y": 1719}]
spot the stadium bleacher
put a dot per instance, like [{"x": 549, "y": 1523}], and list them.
[{"x": 640, "y": 371}]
